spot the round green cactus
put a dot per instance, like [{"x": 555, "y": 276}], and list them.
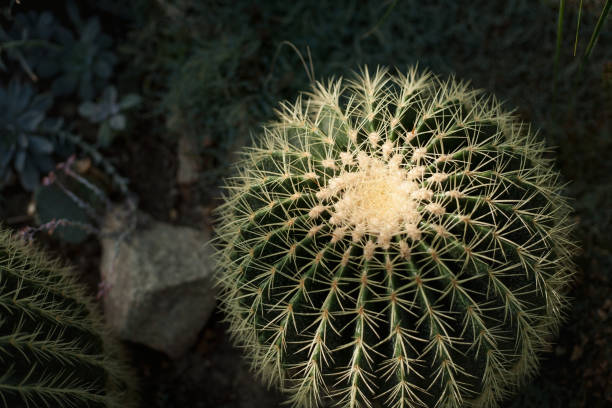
[
  {"x": 394, "y": 241},
  {"x": 54, "y": 351}
]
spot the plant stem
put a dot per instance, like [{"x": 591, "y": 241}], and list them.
[
  {"x": 578, "y": 27},
  {"x": 558, "y": 49},
  {"x": 381, "y": 20},
  {"x": 600, "y": 22}
]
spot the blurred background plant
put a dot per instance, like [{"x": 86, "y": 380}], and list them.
[
  {"x": 24, "y": 145},
  {"x": 108, "y": 113},
  {"x": 84, "y": 62},
  {"x": 77, "y": 59},
  {"x": 217, "y": 71},
  {"x": 589, "y": 5},
  {"x": 51, "y": 58},
  {"x": 28, "y": 41}
]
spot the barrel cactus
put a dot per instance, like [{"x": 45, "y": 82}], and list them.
[
  {"x": 394, "y": 241},
  {"x": 54, "y": 351}
]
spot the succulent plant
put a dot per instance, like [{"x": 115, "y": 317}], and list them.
[
  {"x": 28, "y": 42},
  {"x": 77, "y": 60},
  {"x": 85, "y": 61},
  {"x": 53, "y": 203},
  {"x": 23, "y": 133},
  {"x": 54, "y": 350},
  {"x": 108, "y": 112},
  {"x": 394, "y": 241}
]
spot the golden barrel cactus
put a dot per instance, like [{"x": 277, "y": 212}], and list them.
[{"x": 394, "y": 241}]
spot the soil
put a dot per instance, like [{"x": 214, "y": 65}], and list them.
[{"x": 211, "y": 374}]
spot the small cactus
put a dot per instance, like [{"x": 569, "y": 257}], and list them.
[
  {"x": 394, "y": 241},
  {"x": 54, "y": 351}
]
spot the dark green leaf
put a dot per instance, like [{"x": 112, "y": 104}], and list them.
[
  {"x": 6, "y": 154},
  {"x": 105, "y": 135},
  {"x": 89, "y": 110},
  {"x": 43, "y": 162},
  {"x": 52, "y": 203},
  {"x": 22, "y": 141},
  {"x": 48, "y": 68},
  {"x": 29, "y": 176},
  {"x": 117, "y": 122},
  {"x": 65, "y": 84},
  {"x": 30, "y": 120},
  {"x": 103, "y": 68},
  {"x": 86, "y": 89},
  {"x": 129, "y": 101},
  {"x": 110, "y": 95},
  {"x": 73, "y": 13},
  {"x": 20, "y": 160},
  {"x": 42, "y": 102},
  {"x": 90, "y": 31},
  {"x": 40, "y": 145}
]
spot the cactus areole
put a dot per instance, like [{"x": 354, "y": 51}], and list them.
[{"x": 394, "y": 241}]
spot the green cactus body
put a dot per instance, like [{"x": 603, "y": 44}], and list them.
[
  {"x": 394, "y": 241},
  {"x": 54, "y": 351}
]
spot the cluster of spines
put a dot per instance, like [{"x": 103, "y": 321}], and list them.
[
  {"x": 54, "y": 348},
  {"x": 449, "y": 306}
]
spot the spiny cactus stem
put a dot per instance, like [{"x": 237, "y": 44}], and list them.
[
  {"x": 54, "y": 347},
  {"x": 395, "y": 242}
]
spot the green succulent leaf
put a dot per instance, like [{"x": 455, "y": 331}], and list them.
[
  {"x": 117, "y": 122},
  {"x": 105, "y": 134},
  {"x": 6, "y": 155},
  {"x": 103, "y": 68},
  {"x": 73, "y": 14},
  {"x": 40, "y": 145},
  {"x": 22, "y": 123},
  {"x": 90, "y": 31},
  {"x": 78, "y": 61},
  {"x": 65, "y": 84},
  {"x": 107, "y": 112},
  {"x": 89, "y": 110},
  {"x": 52, "y": 203},
  {"x": 129, "y": 101},
  {"x": 29, "y": 175},
  {"x": 20, "y": 159},
  {"x": 109, "y": 97}
]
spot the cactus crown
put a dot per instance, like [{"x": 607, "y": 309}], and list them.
[
  {"x": 54, "y": 349},
  {"x": 394, "y": 241}
]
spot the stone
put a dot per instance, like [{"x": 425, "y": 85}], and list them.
[
  {"x": 189, "y": 161},
  {"x": 158, "y": 280}
]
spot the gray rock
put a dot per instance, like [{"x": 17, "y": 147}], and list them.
[
  {"x": 189, "y": 160},
  {"x": 158, "y": 283}
]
